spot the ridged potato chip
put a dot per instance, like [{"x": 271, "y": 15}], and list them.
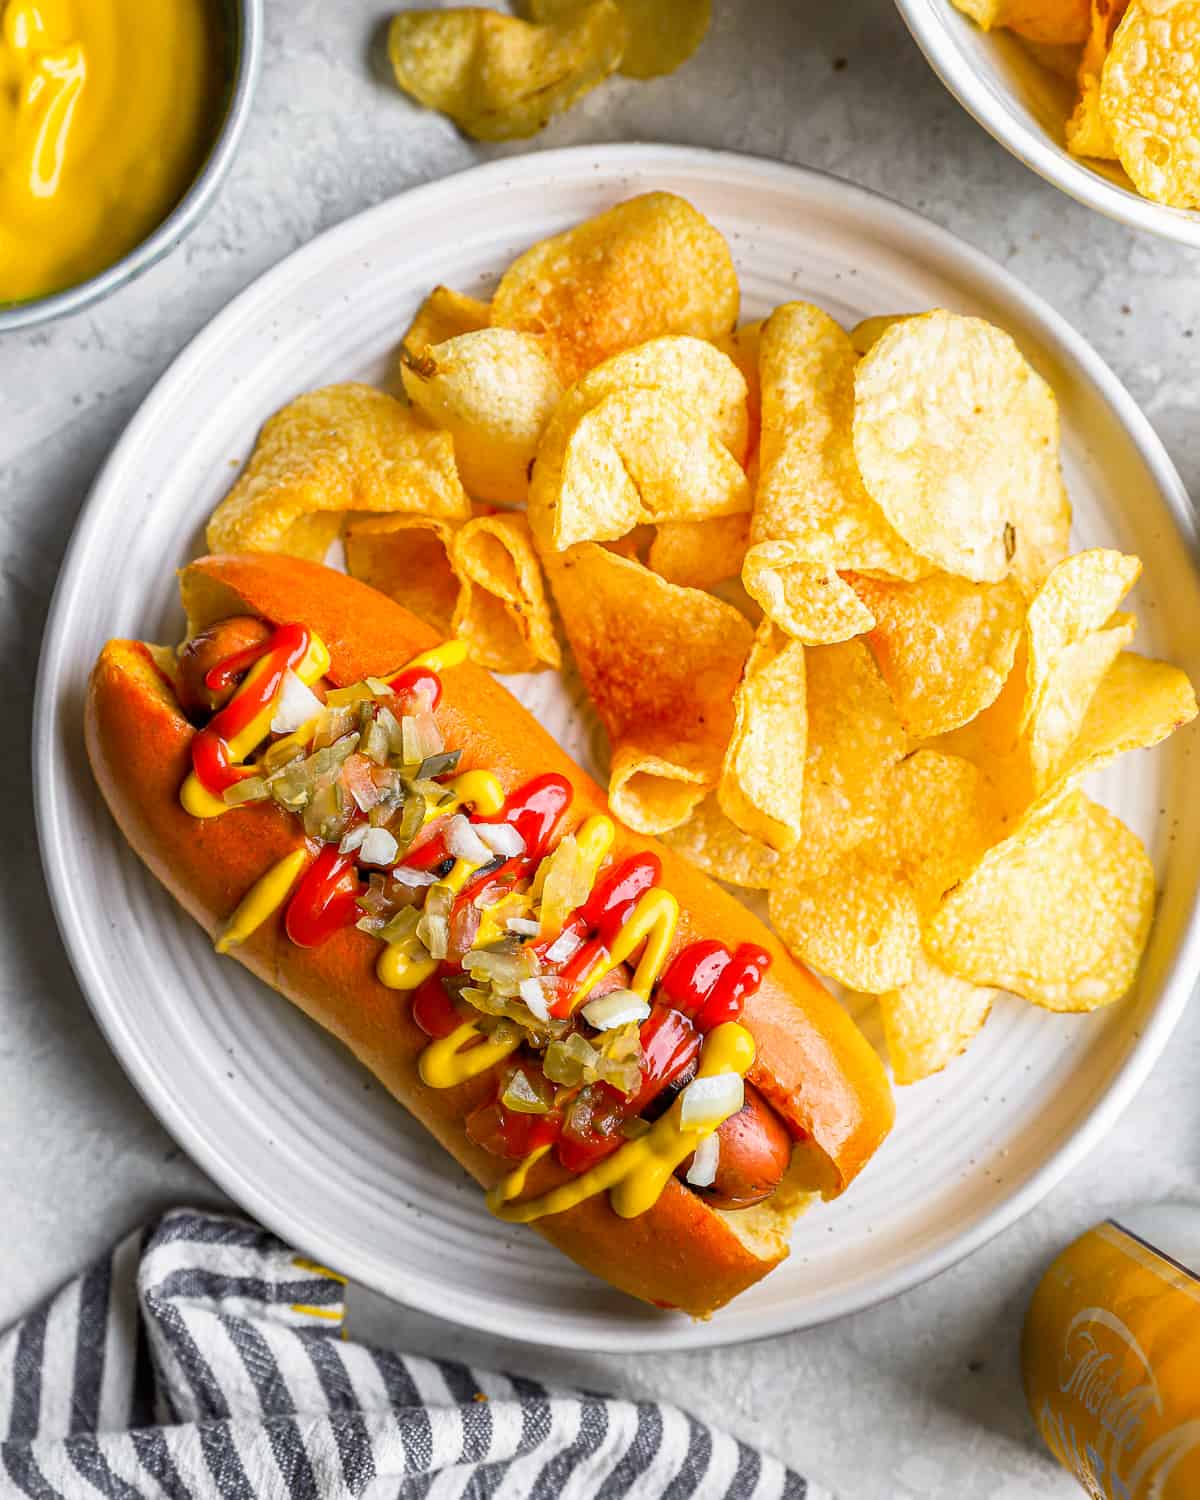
[
  {"x": 1058, "y": 912},
  {"x": 809, "y": 490},
  {"x": 956, "y": 438},
  {"x": 722, "y": 850},
  {"x": 663, "y": 34},
  {"x": 857, "y": 924},
  {"x": 931, "y": 1020},
  {"x": 1078, "y": 597},
  {"x": 1057, "y": 22},
  {"x": 943, "y": 644},
  {"x": 994, "y": 742},
  {"x": 762, "y": 778},
  {"x": 809, "y": 600},
  {"x": 636, "y": 458},
  {"x": 500, "y": 78},
  {"x": 661, "y": 665},
  {"x": 1150, "y": 99},
  {"x": 445, "y": 314},
  {"x": 339, "y": 449},
  {"x": 502, "y": 611},
  {"x": 700, "y": 554},
  {"x": 652, "y": 265},
  {"x": 1066, "y": 695},
  {"x": 1087, "y": 132},
  {"x": 493, "y": 390},
  {"x": 408, "y": 558}
]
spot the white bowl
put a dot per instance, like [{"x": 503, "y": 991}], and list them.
[{"x": 1026, "y": 108}]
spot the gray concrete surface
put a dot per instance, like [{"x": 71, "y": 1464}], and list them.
[{"x": 918, "y": 1399}]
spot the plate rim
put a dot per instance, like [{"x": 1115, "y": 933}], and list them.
[
  {"x": 1036, "y": 149},
  {"x": 605, "y": 161}
]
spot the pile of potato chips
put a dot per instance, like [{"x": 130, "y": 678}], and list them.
[
  {"x": 1133, "y": 64},
  {"x": 500, "y": 77},
  {"x": 816, "y": 583}
]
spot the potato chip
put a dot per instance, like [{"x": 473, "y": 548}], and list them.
[
  {"x": 762, "y": 778},
  {"x": 343, "y": 448},
  {"x": 494, "y": 391},
  {"x": 854, "y": 740},
  {"x": 445, "y": 314},
  {"x": 663, "y": 34},
  {"x": 500, "y": 78},
  {"x": 857, "y": 924},
  {"x": 661, "y": 665},
  {"x": 807, "y": 599},
  {"x": 957, "y": 441},
  {"x": 742, "y": 346},
  {"x": 931, "y": 1020},
  {"x": 1066, "y": 695},
  {"x": 1138, "y": 703},
  {"x": 942, "y": 816},
  {"x": 722, "y": 850},
  {"x": 1077, "y": 598},
  {"x": 1150, "y": 99},
  {"x": 865, "y": 335},
  {"x": 408, "y": 558},
  {"x": 809, "y": 490},
  {"x": 1059, "y": 912},
  {"x": 636, "y": 458},
  {"x": 652, "y": 265},
  {"x": 503, "y": 611},
  {"x": 1058, "y": 22},
  {"x": 700, "y": 554},
  {"x": 943, "y": 644},
  {"x": 1087, "y": 133}
]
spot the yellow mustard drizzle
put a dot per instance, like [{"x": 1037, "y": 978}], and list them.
[
  {"x": 634, "y": 1176},
  {"x": 267, "y": 893},
  {"x": 453, "y": 1059},
  {"x": 195, "y": 796},
  {"x": 440, "y": 658},
  {"x": 653, "y": 919}
]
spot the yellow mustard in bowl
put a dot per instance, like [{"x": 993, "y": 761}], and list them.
[{"x": 107, "y": 111}]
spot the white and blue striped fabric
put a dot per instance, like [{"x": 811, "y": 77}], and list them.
[{"x": 203, "y": 1358}]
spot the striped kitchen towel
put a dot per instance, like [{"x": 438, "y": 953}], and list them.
[{"x": 203, "y": 1358}]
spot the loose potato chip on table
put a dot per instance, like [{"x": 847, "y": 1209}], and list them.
[
  {"x": 499, "y": 77},
  {"x": 762, "y": 778},
  {"x": 445, "y": 314},
  {"x": 1150, "y": 99},
  {"x": 662, "y": 33},
  {"x": 931, "y": 1020},
  {"x": 956, "y": 438},
  {"x": 700, "y": 554},
  {"x": 336, "y": 450},
  {"x": 1058, "y": 912},
  {"x": 661, "y": 665},
  {"x": 812, "y": 515},
  {"x": 943, "y": 644},
  {"x": 652, "y": 265},
  {"x": 494, "y": 391}
]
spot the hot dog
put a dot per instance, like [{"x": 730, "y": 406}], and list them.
[{"x": 576, "y": 1122}]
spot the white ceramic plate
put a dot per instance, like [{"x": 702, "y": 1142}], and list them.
[
  {"x": 284, "y": 1120},
  {"x": 1026, "y": 108}
]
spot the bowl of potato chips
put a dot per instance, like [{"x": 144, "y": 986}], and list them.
[{"x": 1099, "y": 97}]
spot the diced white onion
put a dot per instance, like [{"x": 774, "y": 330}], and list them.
[
  {"x": 562, "y": 947},
  {"x": 709, "y": 1101},
  {"x": 501, "y": 838},
  {"x": 404, "y": 875},
  {"x": 703, "y": 1170},
  {"x": 617, "y": 1008},
  {"x": 524, "y": 926},
  {"x": 354, "y": 839},
  {"x": 378, "y": 848},
  {"x": 294, "y": 706},
  {"x": 464, "y": 843},
  {"x": 535, "y": 998}
]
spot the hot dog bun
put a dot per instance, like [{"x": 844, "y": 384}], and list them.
[{"x": 814, "y": 1066}]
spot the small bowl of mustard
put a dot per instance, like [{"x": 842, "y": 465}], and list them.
[{"x": 118, "y": 122}]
